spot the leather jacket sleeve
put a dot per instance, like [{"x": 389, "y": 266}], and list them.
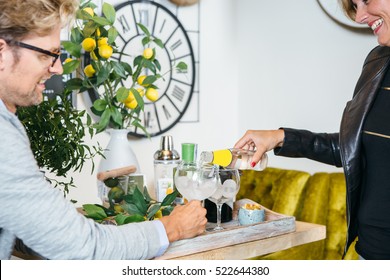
[{"x": 322, "y": 147}]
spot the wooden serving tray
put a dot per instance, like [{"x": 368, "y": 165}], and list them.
[{"x": 275, "y": 224}]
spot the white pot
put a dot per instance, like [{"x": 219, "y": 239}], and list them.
[{"x": 117, "y": 154}]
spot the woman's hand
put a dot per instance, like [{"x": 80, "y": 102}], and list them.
[{"x": 261, "y": 140}]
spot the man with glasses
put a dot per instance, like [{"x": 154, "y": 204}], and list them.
[
  {"x": 54, "y": 55},
  {"x": 32, "y": 210}
]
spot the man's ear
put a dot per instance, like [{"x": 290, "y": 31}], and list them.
[{"x": 3, "y": 47}]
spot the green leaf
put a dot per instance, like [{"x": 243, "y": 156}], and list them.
[
  {"x": 100, "y": 104},
  {"x": 170, "y": 198},
  {"x": 137, "y": 61},
  {"x": 118, "y": 68},
  {"x": 139, "y": 98},
  {"x": 102, "y": 76},
  {"x": 104, "y": 120},
  {"x": 72, "y": 48},
  {"x": 146, "y": 195},
  {"x": 148, "y": 64},
  {"x": 153, "y": 210},
  {"x": 122, "y": 219},
  {"x": 157, "y": 63},
  {"x": 74, "y": 84},
  {"x": 70, "y": 66},
  {"x": 94, "y": 212},
  {"x": 101, "y": 21},
  {"x": 89, "y": 28},
  {"x": 149, "y": 80},
  {"x": 76, "y": 36},
  {"x": 145, "y": 41},
  {"x": 127, "y": 67},
  {"x": 167, "y": 210},
  {"x": 112, "y": 34},
  {"x": 139, "y": 201},
  {"x": 182, "y": 66},
  {"x": 122, "y": 93},
  {"x": 109, "y": 12},
  {"x": 131, "y": 208},
  {"x": 116, "y": 116},
  {"x": 137, "y": 124},
  {"x": 144, "y": 29},
  {"x": 96, "y": 112},
  {"x": 109, "y": 212}
]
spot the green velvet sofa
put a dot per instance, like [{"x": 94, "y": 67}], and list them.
[{"x": 316, "y": 198}]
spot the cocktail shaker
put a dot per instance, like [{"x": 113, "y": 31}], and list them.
[{"x": 165, "y": 160}]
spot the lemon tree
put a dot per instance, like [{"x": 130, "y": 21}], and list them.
[{"x": 96, "y": 35}]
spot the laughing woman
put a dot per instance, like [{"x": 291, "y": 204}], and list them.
[{"x": 361, "y": 147}]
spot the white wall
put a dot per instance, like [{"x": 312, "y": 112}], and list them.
[
  {"x": 298, "y": 68},
  {"x": 264, "y": 64}
]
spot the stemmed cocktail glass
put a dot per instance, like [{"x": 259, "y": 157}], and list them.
[{"x": 228, "y": 186}]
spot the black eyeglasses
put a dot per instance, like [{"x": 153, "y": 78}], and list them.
[{"x": 30, "y": 47}]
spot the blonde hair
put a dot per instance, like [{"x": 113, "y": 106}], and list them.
[
  {"x": 349, "y": 8},
  {"x": 19, "y": 18}
]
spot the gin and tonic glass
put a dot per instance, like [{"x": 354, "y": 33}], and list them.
[
  {"x": 196, "y": 181},
  {"x": 228, "y": 186}
]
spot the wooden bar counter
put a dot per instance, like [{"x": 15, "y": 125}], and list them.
[
  {"x": 277, "y": 232},
  {"x": 304, "y": 233}
]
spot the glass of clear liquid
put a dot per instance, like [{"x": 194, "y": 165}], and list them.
[
  {"x": 228, "y": 187},
  {"x": 196, "y": 181}
]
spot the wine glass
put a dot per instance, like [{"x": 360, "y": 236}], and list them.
[
  {"x": 228, "y": 186},
  {"x": 196, "y": 181}
]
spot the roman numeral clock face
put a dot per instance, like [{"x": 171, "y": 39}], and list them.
[{"x": 176, "y": 88}]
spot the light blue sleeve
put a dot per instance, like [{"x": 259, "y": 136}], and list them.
[
  {"x": 38, "y": 214},
  {"x": 164, "y": 242}
]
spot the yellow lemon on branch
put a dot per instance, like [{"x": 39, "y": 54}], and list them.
[
  {"x": 132, "y": 104},
  {"x": 68, "y": 60},
  {"x": 140, "y": 80},
  {"x": 129, "y": 98},
  {"x": 105, "y": 51},
  {"x": 93, "y": 55},
  {"x": 103, "y": 41},
  {"x": 158, "y": 215},
  {"x": 89, "y": 71},
  {"x": 152, "y": 94},
  {"x": 148, "y": 53},
  {"x": 88, "y": 44},
  {"x": 89, "y": 10}
]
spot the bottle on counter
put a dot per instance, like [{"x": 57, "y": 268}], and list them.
[
  {"x": 165, "y": 161},
  {"x": 234, "y": 158}
]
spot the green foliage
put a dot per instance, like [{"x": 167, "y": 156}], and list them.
[
  {"x": 113, "y": 107},
  {"x": 135, "y": 207},
  {"x": 56, "y": 132}
]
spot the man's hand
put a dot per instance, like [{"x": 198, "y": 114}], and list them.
[{"x": 185, "y": 221}]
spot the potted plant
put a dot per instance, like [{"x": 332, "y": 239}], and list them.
[{"x": 56, "y": 132}]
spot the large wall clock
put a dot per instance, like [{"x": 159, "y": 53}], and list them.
[
  {"x": 334, "y": 10},
  {"x": 176, "y": 90}
]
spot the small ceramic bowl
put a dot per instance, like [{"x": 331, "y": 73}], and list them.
[{"x": 248, "y": 215}]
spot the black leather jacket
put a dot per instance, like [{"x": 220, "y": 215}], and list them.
[{"x": 344, "y": 148}]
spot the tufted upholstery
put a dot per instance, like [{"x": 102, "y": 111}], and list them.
[{"x": 318, "y": 198}]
